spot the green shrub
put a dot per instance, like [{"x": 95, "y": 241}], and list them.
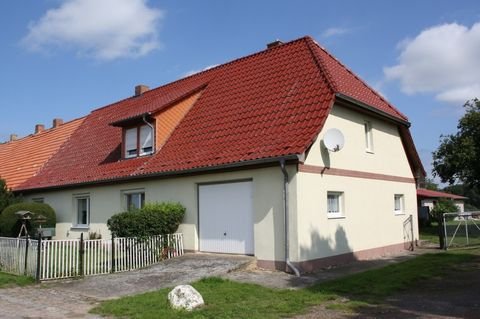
[
  {"x": 153, "y": 219},
  {"x": 10, "y": 225}
]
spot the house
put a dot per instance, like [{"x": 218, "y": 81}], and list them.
[
  {"x": 243, "y": 147},
  {"x": 426, "y": 200},
  {"x": 22, "y": 158}
]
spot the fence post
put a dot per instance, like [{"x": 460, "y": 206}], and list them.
[
  {"x": 113, "y": 254},
  {"x": 80, "y": 256},
  {"x": 411, "y": 229},
  {"x": 26, "y": 256},
  {"x": 39, "y": 262}
]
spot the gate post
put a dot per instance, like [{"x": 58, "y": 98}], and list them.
[
  {"x": 39, "y": 262},
  {"x": 113, "y": 254},
  {"x": 80, "y": 256},
  {"x": 26, "y": 256}
]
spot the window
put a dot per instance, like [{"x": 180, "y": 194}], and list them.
[
  {"x": 368, "y": 137},
  {"x": 334, "y": 204},
  {"x": 398, "y": 204},
  {"x": 138, "y": 141},
  {"x": 134, "y": 200},
  {"x": 83, "y": 211}
]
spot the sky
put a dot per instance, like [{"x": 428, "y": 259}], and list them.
[{"x": 63, "y": 59}]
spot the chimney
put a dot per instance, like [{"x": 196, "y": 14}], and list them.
[
  {"x": 273, "y": 44},
  {"x": 39, "y": 128},
  {"x": 57, "y": 122},
  {"x": 13, "y": 137},
  {"x": 140, "y": 89}
]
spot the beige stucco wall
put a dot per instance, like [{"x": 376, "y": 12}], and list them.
[
  {"x": 107, "y": 200},
  {"x": 388, "y": 157},
  {"x": 369, "y": 221}
]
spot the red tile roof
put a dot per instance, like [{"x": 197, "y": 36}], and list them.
[
  {"x": 21, "y": 159},
  {"x": 422, "y": 192},
  {"x": 267, "y": 105}
]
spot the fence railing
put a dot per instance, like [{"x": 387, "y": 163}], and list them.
[
  {"x": 18, "y": 256},
  {"x": 461, "y": 229},
  {"x": 59, "y": 259}
]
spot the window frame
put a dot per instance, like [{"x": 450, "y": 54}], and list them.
[
  {"x": 127, "y": 193},
  {"x": 401, "y": 201},
  {"x": 139, "y": 150},
  {"x": 368, "y": 133},
  {"x": 78, "y": 198},
  {"x": 340, "y": 212}
]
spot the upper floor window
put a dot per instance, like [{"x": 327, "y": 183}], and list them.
[
  {"x": 368, "y": 137},
  {"x": 138, "y": 141}
]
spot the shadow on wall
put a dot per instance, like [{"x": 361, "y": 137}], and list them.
[{"x": 326, "y": 251}]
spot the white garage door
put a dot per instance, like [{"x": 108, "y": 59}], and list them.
[{"x": 226, "y": 218}]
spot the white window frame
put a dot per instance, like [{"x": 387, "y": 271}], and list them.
[
  {"x": 400, "y": 200},
  {"x": 127, "y": 193},
  {"x": 339, "y": 212},
  {"x": 142, "y": 137},
  {"x": 78, "y": 198},
  {"x": 368, "y": 131}
]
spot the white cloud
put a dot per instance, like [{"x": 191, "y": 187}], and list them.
[
  {"x": 192, "y": 72},
  {"x": 443, "y": 60},
  {"x": 334, "y": 31},
  {"x": 106, "y": 29}
]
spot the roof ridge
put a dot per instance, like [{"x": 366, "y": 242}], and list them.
[
  {"x": 45, "y": 131},
  {"x": 364, "y": 83},
  {"x": 330, "y": 81},
  {"x": 252, "y": 55}
]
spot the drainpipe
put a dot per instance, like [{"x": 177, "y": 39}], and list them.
[
  {"x": 144, "y": 118},
  {"x": 286, "y": 221}
]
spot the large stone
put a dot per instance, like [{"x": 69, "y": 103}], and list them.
[{"x": 185, "y": 297}]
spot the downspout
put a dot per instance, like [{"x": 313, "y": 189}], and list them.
[
  {"x": 144, "y": 118},
  {"x": 286, "y": 218}
]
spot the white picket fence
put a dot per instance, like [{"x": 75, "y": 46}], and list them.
[
  {"x": 18, "y": 256},
  {"x": 71, "y": 258}
]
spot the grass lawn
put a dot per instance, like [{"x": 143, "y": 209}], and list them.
[
  {"x": 430, "y": 233},
  {"x": 228, "y": 299},
  {"x": 8, "y": 280}
]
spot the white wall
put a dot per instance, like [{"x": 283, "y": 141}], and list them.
[
  {"x": 369, "y": 221},
  {"x": 107, "y": 200}
]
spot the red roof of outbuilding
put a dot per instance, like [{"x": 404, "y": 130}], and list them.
[
  {"x": 422, "y": 192},
  {"x": 267, "y": 105}
]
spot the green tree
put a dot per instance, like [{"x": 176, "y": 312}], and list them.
[
  {"x": 472, "y": 202},
  {"x": 430, "y": 184},
  {"x": 457, "y": 157},
  {"x": 6, "y": 196},
  {"x": 441, "y": 207}
]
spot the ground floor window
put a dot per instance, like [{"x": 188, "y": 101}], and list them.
[
  {"x": 398, "y": 204},
  {"x": 134, "y": 200},
  {"x": 334, "y": 204},
  {"x": 83, "y": 211}
]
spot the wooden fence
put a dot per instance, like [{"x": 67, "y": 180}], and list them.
[{"x": 59, "y": 259}]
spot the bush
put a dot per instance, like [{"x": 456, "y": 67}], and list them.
[
  {"x": 10, "y": 225},
  {"x": 153, "y": 219}
]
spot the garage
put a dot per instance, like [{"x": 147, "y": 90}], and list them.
[{"x": 226, "y": 217}]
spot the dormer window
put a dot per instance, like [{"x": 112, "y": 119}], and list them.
[{"x": 138, "y": 141}]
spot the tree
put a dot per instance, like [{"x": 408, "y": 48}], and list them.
[
  {"x": 457, "y": 157},
  {"x": 430, "y": 184},
  {"x": 6, "y": 196},
  {"x": 442, "y": 206},
  {"x": 472, "y": 202}
]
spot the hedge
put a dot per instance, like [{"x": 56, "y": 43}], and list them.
[
  {"x": 153, "y": 219},
  {"x": 10, "y": 224}
]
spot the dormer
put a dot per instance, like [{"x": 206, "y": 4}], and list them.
[{"x": 138, "y": 135}]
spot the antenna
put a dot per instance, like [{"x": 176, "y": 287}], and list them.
[{"x": 333, "y": 140}]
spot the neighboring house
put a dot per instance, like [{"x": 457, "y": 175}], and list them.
[
  {"x": 21, "y": 159},
  {"x": 428, "y": 198},
  {"x": 241, "y": 147}
]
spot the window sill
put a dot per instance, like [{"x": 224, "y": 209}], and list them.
[
  {"x": 336, "y": 216},
  {"x": 399, "y": 213},
  {"x": 369, "y": 152},
  {"x": 80, "y": 227}
]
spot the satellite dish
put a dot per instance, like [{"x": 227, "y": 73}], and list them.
[{"x": 333, "y": 140}]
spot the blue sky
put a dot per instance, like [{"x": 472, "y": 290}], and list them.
[{"x": 66, "y": 58}]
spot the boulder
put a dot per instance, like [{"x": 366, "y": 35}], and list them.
[{"x": 185, "y": 297}]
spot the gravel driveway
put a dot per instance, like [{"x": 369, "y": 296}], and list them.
[{"x": 74, "y": 298}]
